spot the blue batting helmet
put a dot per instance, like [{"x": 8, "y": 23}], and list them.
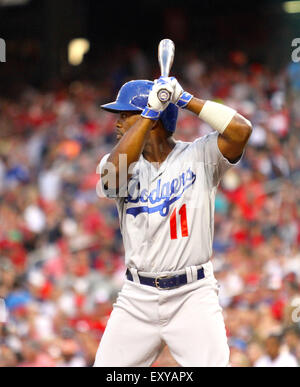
[{"x": 133, "y": 96}]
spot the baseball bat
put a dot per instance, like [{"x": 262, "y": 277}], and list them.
[{"x": 166, "y": 53}]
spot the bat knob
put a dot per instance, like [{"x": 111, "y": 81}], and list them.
[{"x": 164, "y": 95}]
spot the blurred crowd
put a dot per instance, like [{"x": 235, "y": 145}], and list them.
[{"x": 61, "y": 252}]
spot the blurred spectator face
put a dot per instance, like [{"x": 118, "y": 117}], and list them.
[
  {"x": 254, "y": 352},
  {"x": 7, "y": 275},
  {"x": 68, "y": 348},
  {"x": 30, "y": 351},
  {"x": 7, "y": 357},
  {"x": 272, "y": 347},
  {"x": 292, "y": 339},
  {"x": 238, "y": 358},
  {"x": 80, "y": 264},
  {"x": 297, "y": 352}
]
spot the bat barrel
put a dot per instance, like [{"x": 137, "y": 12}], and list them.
[{"x": 166, "y": 53}]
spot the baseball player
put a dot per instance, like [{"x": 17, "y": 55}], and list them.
[{"x": 165, "y": 192}]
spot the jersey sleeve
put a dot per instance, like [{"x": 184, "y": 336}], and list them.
[{"x": 208, "y": 152}]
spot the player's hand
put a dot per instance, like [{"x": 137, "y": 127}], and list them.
[
  {"x": 178, "y": 90},
  {"x": 179, "y": 97},
  {"x": 160, "y": 85},
  {"x": 155, "y": 107}
]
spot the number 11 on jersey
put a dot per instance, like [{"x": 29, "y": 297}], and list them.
[{"x": 183, "y": 223}]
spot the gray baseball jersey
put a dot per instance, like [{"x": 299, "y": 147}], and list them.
[{"x": 167, "y": 217}]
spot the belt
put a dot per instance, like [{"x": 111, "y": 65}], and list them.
[{"x": 165, "y": 282}]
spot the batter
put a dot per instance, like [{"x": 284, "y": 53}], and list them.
[{"x": 165, "y": 194}]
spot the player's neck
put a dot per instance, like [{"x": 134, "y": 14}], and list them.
[{"x": 157, "y": 149}]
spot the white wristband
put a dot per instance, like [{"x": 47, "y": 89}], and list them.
[{"x": 218, "y": 116}]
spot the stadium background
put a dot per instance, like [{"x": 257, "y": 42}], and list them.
[{"x": 61, "y": 253}]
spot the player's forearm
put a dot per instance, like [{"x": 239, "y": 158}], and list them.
[
  {"x": 131, "y": 145},
  {"x": 238, "y": 129}
]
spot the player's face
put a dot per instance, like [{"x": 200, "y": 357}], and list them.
[{"x": 124, "y": 123}]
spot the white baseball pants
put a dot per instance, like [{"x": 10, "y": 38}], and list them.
[{"x": 188, "y": 319}]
